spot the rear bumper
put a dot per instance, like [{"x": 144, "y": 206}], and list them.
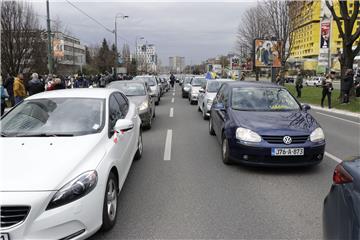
[{"x": 261, "y": 155}]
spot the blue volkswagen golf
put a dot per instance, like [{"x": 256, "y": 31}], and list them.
[{"x": 263, "y": 124}]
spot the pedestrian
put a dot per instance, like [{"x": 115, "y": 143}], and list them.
[
  {"x": 81, "y": 83},
  {"x": 327, "y": 85},
  {"x": 299, "y": 83},
  {"x": 4, "y": 96},
  {"x": 172, "y": 80},
  {"x": 35, "y": 85},
  {"x": 242, "y": 78},
  {"x": 357, "y": 85},
  {"x": 347, "y": 85},
  {"x": 9, "y": 85},
  {"x": 19, "y": 88}
]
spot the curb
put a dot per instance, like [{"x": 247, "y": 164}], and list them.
[{"x": 342, "y": 112}]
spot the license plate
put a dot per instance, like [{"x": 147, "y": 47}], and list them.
[
  {"x": 287, "y": 151},
  {"x": 4, "y": 236}
]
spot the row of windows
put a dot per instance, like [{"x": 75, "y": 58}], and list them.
[{"x": 75, "y": 50}]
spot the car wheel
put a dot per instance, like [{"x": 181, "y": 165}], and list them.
[
  {"x": 157, "y": 103},
  {"x": 211, "y": 128},
  {"x": 110, "y": 203},
  {"x": 225, "y": 151},
  {"x": 139, "y": 151},
  {"x": 204, "y": 114},
  {"x": 154, "y": 114},
  {"x": 199, "y": 110},
  {"x": 148, "y": 123}
]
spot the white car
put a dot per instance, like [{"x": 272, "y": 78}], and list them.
[
  {"x": 207, "y": 94},
  {"x": 65, "y": 157},
  {"x": 314, "y": 81},
  {"x": 195, "y": 85}
]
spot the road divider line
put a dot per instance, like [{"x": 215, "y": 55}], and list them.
[
  {"x": 172, "y": 100},
  {"x": 336, "y": 159},
  {"x": 173, "y": 94},
  {"x": 167, "y": 151},
  {"x": 338, "y": 118},
  {"x": 171, "y": 112}
]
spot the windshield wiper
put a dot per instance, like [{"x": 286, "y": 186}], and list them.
[{"x": 46, "y": 135}]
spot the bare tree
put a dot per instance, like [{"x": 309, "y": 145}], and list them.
[
  {"x": 346, "y": 32},
  {"x": 20, "y": 32}
]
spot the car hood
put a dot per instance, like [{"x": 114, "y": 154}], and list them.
[
  {"x": 46, "y": 163},
  {"x": 275, "y": 123},
  {"x": 153, "y": 88},
  {"x": 211, "y": 95},
  {"x": 137, "y": 100}
]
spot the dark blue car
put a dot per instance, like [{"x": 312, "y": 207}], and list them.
[
  {"x": 341, "y": 214},
  {"x": 263, "y": 124}
]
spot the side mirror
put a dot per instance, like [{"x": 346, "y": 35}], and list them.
[
  {"x": 202, "y": 90},
  {"x": 123, "y": 125},
  {"x": 305, "y": 107},
  {"x": 219, "y": 107}
]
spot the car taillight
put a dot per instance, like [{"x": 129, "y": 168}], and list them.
[{"x": 341, "y": 175}]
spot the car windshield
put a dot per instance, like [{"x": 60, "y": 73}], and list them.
[
  {"x": 263, "y": 99},
  {"x": 187, "y": 80},
  {"x": 130, "y": 89},
  {"x": 197, "y": 81},
  {"x": 151, "y": 81},
  {"x": 213, "y": 86},
  {"x": 55, "y": 117}
]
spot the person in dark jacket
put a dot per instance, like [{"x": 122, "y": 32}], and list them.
[
  {"x": 81, "y": 83},
  {"x": 9, "y": 85},
  {"x": 172, "y": 80},
  {"x": 299, "y": 83},
  {"x": 347, "y": 85},
  {"x": 327, "y": 85},
  {"x": 35, "y": 85}
]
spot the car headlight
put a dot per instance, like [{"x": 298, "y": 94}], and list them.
[
  {"x": 317, "y": 135},
  {"x": 74, "y": 190},
  {"x": 143, "y": 106},
  {"x": 247, "y": 135}
]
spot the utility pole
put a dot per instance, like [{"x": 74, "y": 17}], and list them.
[
  {"x": 50, "y": 56},
  {"x": 119, "y": 15}
]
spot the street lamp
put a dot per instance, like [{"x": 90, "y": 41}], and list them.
[{"x": 122, "y": 16}]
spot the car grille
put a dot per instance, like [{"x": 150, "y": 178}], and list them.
[
  {"x": 279, "y": 139},
  {"x": 12, "y": 215}
]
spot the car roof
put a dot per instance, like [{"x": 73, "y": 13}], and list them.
[
  {"x": 75, "y": 93},
  {"x": 127, "y": 81},
  {"x": 259, "y": 84}
]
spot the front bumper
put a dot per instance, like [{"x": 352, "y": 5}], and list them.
[
  {"x": 79, "y": 219},
  {"x": 260, "y": 154},
  {"x": 194, "y": 96}
]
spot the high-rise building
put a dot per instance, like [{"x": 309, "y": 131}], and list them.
[
  {"x": 146, "y": 57},
  {"x": 316, "y": 30},
  {"x": 176, "y": 64}
]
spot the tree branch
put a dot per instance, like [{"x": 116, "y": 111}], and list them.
[{"x": 336, "y": 18}]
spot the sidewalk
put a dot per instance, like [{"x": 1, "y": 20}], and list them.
[{"x": 333, "y": 110}]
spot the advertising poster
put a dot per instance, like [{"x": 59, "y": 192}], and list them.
[
  {"x": 267, "y": 53},
  {"x": 325, "y": 35},
  {"x": 58, "y": 47}
]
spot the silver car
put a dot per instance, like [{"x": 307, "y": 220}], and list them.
[
  {"x": 207, "y": 94},
  {"x": 195, "y": 86},
  {"x": 138, "y": 93},
  {"x": 154, "y": 86}
]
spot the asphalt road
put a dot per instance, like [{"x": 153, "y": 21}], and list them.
[{"x": 194, "y": 195}]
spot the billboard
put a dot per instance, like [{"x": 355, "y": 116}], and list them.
[
  {"x": 58, "y": 48},
  {"x": 235, "y": 63},
  {"x": 325, "y": 35},
  {"x": 267, "y": 53}
]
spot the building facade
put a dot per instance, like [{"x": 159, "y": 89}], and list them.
[
  {"x": 177, "y": 64},
  {"x": 146, "y": 58},
  {"x": 316, "y": 32}
]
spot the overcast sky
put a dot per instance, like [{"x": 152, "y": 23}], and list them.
[{"x": 195, "y": 30}]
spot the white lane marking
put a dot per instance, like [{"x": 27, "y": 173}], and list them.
[
  {"x": 171, "y": 112},
  {"x": 336, "y": 159},
  {"x": 173, "y": 94},
  {"x": 338, "y": 118},
  {"x": 172, "y": 100},
  {"x": 167, "y": 151}
]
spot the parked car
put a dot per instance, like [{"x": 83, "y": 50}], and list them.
[
  {"x": 152, "y": 82},
  {"x": 139, "y": 93},
  {"x": 341, "y": 219},
  {"x": 207, "y": 94},
  {"x": 186, "y": 87},
  {"x": 314, "y": 81},
  {"x": 195, "y": 85},
  {"x": 66, "y": 156},
  {"x": 263, "y": 124}
]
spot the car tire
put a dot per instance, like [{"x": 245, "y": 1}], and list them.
[
  {"x": 139, "y": 150},
  {"x": 148, "y": 123},
  {"x": 204, "y": 115},
  {"x": 154, "y": 114},
  {"x": 211, "y": 128},
  {"x": 157, "y": 103},
  {"x": 199, "y": 110},
  {"x": 110, "y": 205},
  {"x": 225, "y": 151}
]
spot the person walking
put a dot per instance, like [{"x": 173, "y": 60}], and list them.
[
  {"x": 347, "y": 85},
  {"x": 9, "y": 85},
  {"x": 19, "y": 88},
  {"x": 299, "y": 83},
  {"x": 35, "y": 85},
  {"x": 327, "y": 85},
  {"x": 172, "y": 80},
  {"x": 4, "y": 96}
]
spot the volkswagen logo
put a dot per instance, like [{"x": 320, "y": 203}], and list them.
[{"x": 287, "y": 140}]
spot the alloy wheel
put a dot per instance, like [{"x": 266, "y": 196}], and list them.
[{"x": 111, "y": 199}]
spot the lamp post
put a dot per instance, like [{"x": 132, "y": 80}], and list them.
[{"x": 119, "y": 15}]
